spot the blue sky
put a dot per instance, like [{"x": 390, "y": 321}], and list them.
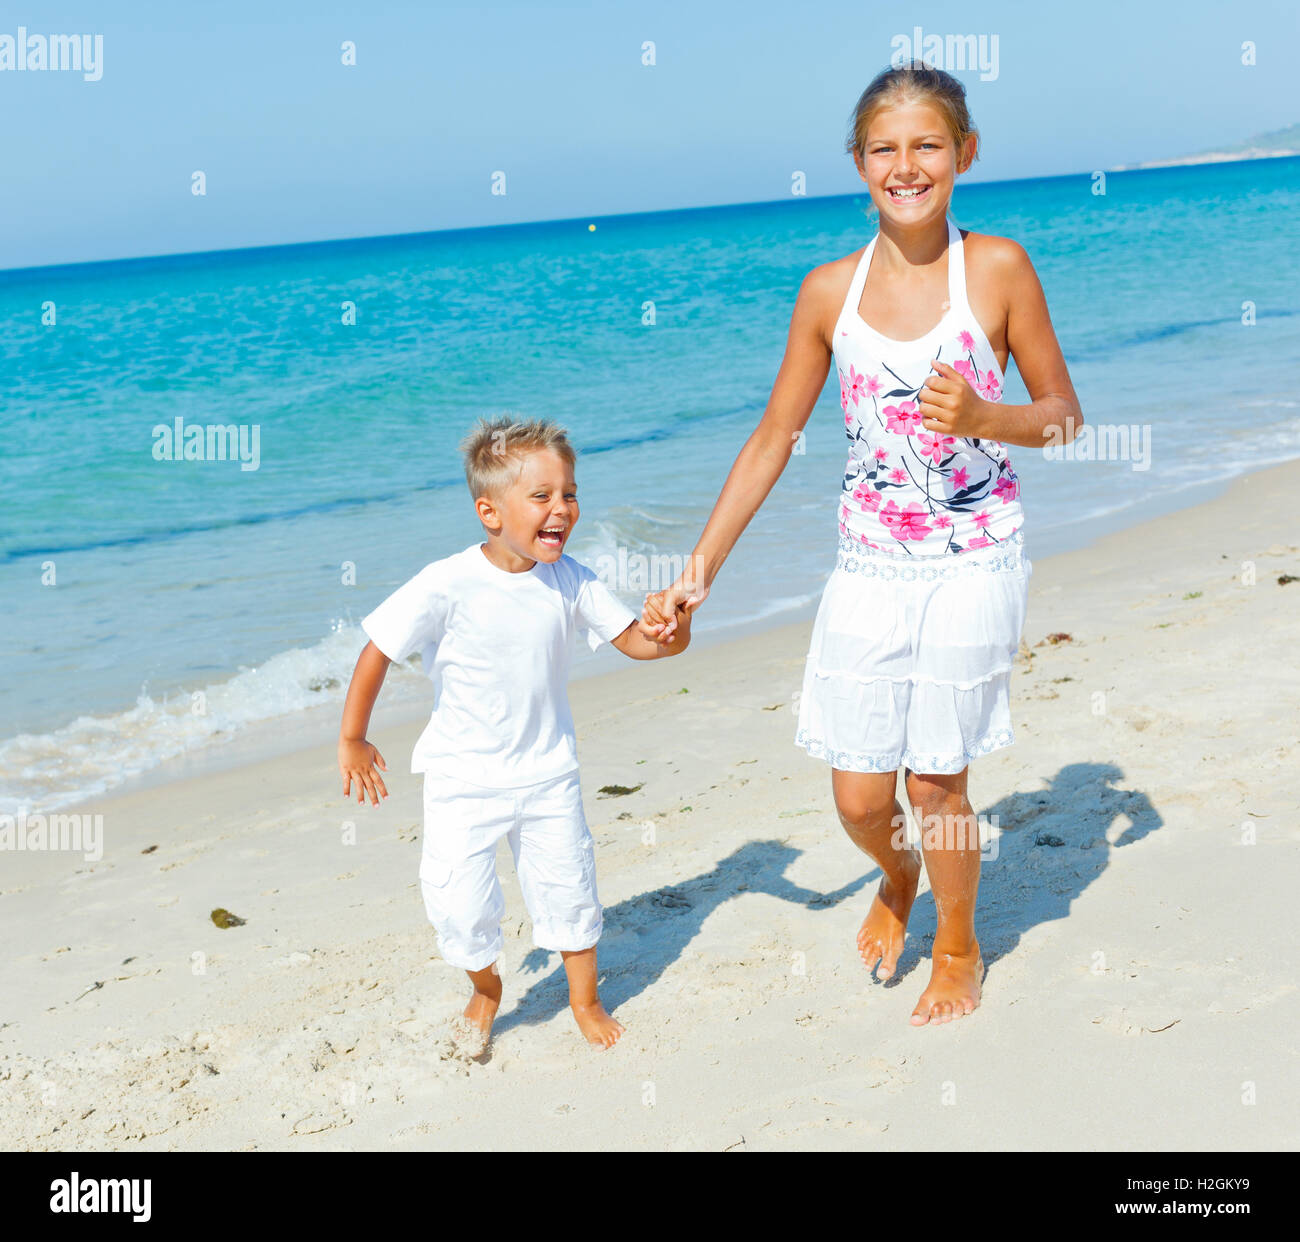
[{"x": 297, "y": 147}]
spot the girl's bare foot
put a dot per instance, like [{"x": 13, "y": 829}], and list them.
[
  {"x": 600, "y": 1030},
  {"x": 880, "y": 938},
  {"x": 954, "y": 989}
]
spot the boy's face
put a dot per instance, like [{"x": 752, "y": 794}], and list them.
[{"x": 538, "y": 512}]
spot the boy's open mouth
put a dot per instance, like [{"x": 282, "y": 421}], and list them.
[
  {"x": 907, "y": 193},
  {"x": 551, "y": 536}
]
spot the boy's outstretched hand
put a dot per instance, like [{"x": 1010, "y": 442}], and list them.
[{"x": 357, "y": 761}]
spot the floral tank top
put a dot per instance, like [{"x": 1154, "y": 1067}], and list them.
[{"x": 909, "y": 491}]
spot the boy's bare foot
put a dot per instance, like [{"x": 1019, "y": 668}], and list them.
[
  {"x": 954, "y": 989},
  {"x": 473, "y": 1029},
  {"x": 880, "y": 938},
  {"x": 600, "y": 1030},
  {"x": 481, "y": 1011}
]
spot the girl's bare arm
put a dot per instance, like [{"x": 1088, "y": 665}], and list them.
[{"x": 1053, "y": 414}]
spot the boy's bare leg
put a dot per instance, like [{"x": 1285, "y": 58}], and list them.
[
  {"x": 950, "y": 842},
  {"x": 481, "y": 1011},
  {"x": 599, "y": 1028},
  {"x": 874, "y": 821}
]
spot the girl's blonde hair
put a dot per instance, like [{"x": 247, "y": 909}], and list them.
[
  {"x": 495, "y": 451},
  {"x": 917, "y": 82}
]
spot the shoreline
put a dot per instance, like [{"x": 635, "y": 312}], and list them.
[
  {"x": 1147, "y": 855},
  {"x": 284, "y": 736}
]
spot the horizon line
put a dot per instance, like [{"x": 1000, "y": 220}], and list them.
[{"x": 378, "y": 238}]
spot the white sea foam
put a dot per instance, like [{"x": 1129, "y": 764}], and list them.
[{"x": 92, "y": 754}]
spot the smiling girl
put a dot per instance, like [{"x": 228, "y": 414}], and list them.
[{"x": 910, "y": 660}]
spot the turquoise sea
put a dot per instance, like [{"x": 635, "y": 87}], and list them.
[{"x": 160, "y": 607}]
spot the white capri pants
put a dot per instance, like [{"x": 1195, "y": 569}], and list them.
[{"x": 554, "y": 859}]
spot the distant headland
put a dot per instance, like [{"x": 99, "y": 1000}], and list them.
[{"x": 1277, "y": 142}]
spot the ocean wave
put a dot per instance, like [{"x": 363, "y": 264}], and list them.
[{"x": 93, "y": 754}]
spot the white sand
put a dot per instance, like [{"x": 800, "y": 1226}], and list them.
[{"x": 1141, "y": 976}]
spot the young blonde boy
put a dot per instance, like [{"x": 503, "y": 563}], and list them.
[{"x": 494, "y": 625}]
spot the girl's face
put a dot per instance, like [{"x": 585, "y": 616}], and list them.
[{"x": 910, "y": 162}]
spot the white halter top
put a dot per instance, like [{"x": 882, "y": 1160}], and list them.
[{"x": 908, "y": 491}]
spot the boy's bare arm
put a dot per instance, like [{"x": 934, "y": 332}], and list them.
[
  {"x": 357, "y": 757},
  {"x": 639, "y": 641}
]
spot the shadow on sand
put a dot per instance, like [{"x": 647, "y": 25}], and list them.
[
  {"x": 630, "y": 963},
  {"x": 1053, "y": 844}
]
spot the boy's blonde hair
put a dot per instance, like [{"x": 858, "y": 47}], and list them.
[{"x": 496, "y": 448}]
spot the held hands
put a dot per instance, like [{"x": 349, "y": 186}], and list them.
[
  {"x": 356, "y": 757},
  {"x": 950, "y": 406},
  {"x": 667, "y": 611}
]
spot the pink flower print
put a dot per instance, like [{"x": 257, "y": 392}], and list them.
[
  {"x": 1008, "y": 487},
  {"x": 906, "y": 523},
  {"x": 882, "y": 454},
  {"x": 980, "y": 541},
  {"x": 959, "y": 477},
  {"x": 935, "y": 445},
  {"x": 966, "y": 371},
  {"x": 967, "y": 341},
  {"x": 981, "y": 519},
  {"x": 942, "y": 522},
  {"x": 988, "y": 387},
  {"x": 873, "y": 385},
  {"x": 898, "y": 475},
  {"x": 867, "y": 497},
  {"x": 903, "y": 417},
  {"x": 844, "y": 398},
  {"x": 856, "y": 385}
]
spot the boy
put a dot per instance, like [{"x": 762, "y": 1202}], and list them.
[{"x": 494, "y": 626}]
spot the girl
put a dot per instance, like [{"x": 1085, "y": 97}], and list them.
[{"x": 911, "y": 653}]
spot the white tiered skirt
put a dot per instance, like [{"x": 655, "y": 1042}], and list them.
[{"x": 911, "y": 658}]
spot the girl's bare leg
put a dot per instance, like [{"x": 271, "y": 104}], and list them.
[
  {"x": 950, "y": 843},
  {"x": 600, "y": 1029},
  {"x": 873, "y": 819}
]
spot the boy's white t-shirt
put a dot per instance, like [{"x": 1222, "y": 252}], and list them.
[{"x": 497, "y": 646}]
